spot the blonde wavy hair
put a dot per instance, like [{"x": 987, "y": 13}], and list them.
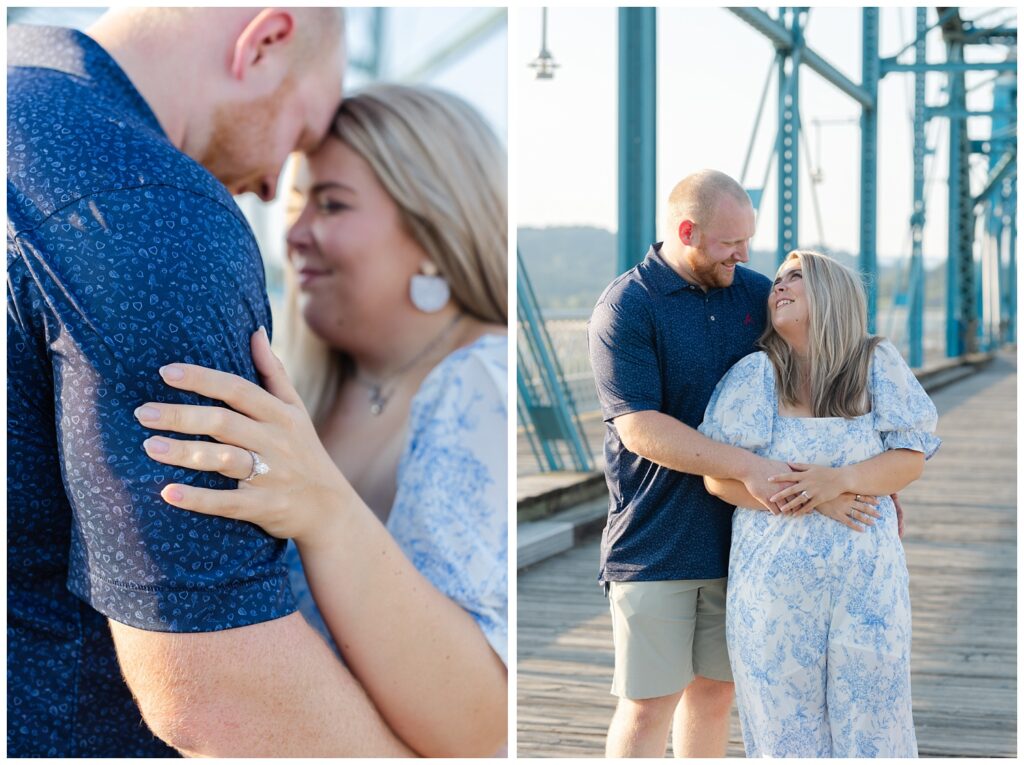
[
  {"x": 839, "y": 347},
  {"x": 446, "y": 171}
]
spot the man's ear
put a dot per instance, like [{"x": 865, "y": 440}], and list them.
[
  {"x": 688, "y": 233},
  {"x": 268, "y": 32}
]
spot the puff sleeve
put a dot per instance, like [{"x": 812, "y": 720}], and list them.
[
  {"x": 904, "y": 415},
  {"x": 741, "y": 408},
  {"x": 450, "y": 514}
]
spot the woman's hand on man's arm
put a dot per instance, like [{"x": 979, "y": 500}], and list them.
[{"x": 422, "y": 659}]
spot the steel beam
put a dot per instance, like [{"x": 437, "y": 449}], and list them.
[
  {"x": 962, "y": 114},
  {"x": 915, "y": 312},
  {"x": 783, "y": 40},
  {"x": 890, "y": 65},
  {"x": 377, "y": 33},
  {"x": 869, "y": 163},
  {"x": 1005, "y": 166},
  {"x": 1011, "y": 267},
  {"x": 638, "y": 93},
  {"x": 961, "y": 307},
  {"x": 954, "y": 346},
  {"x": 776, "y": 33},
  {"x": 564, "y": 418},
  {"x": 526, "y": 402},
  {"x": 1002, "y": 189},
  {"x": 990, "y": 36},
  {"x": 787, "y": 143}
]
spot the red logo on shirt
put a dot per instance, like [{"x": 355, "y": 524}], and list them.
[{"x": 747, "y": 320}]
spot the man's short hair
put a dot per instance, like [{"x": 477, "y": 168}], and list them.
[
  {"x": 694, "y": 198},
  {"x": 315, "y": 29}
]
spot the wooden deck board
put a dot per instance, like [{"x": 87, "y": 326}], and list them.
[{"x": 961, "y": 546}]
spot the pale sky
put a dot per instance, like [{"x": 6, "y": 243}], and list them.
[{"x": 711, "y": 72}]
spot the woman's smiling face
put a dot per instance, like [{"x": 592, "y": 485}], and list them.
[
  {"x": 787, "y": 303},
  {"x": 351, "y": 251}
]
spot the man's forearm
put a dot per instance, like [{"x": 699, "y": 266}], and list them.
[
  {"x": 666, "y": 441},
  {"x": 267, "y": 690},
  {"x": 731, "y": 491}
]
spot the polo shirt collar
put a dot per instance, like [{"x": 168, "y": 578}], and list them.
[
  {"x": 76, "y": 54},
  {"x": 662, "y": 277}
]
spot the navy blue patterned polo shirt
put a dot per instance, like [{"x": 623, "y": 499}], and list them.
[
  {"x": 660, "y": 343},
  {"x": 123, "y": 254}
]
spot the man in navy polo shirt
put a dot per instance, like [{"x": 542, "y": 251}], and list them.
[
  {"x": 661, "y": 337},
  {"x": 126, "y": 251}
]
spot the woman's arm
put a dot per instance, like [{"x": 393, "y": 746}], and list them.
[
  {"x": 732, "y": 491},
  {"x": 888, "y": 473},
  {"x": 421, "y": 658}
]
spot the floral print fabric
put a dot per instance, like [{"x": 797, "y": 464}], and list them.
[
  {"x": 818, "y": 615},
  {"x": 450, "y": 514}
]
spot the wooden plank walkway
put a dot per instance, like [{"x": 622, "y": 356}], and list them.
[{"x": 961, "y": 545}]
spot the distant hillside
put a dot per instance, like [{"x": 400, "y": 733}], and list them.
[{"x": 569, "y": 267}]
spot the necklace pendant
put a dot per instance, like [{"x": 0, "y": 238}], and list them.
[{"x": 377, "y": 400}]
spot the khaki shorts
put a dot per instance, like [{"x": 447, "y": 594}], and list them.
[{"x": 666, "y": 633}]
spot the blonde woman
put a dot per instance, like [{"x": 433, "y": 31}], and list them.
[
  {"x": 818, "y": 612},
  {"x": 389, "y": 469}
]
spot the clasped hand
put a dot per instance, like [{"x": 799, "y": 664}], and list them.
[
  {"x": 822, "y": 488},
  {"x": 807, "y": 487}
]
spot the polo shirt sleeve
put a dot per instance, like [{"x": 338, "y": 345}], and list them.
[
  {"x": 123, "y": 283},
  {"x": 623, "y": 355}
]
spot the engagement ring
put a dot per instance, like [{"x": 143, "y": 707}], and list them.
[{"x": 259, "y": 467}]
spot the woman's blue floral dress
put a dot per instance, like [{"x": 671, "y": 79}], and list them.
[
  {"x": 450, "y": 514},
  {"x": 818, "y": 615}
]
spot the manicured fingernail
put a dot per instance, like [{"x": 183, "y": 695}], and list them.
[
  {"x": 172, "y": 372},
  {"x": 264, "y": 331},
  {"x": 174, "y": 494},
  {"x": 147, "y": 413},
  {"x": 156, "y": 445}
]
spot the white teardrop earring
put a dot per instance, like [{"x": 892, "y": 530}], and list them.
[{"x": 429, "y": 291}]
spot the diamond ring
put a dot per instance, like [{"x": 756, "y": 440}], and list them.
[{"x": 259, "y": 467}]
